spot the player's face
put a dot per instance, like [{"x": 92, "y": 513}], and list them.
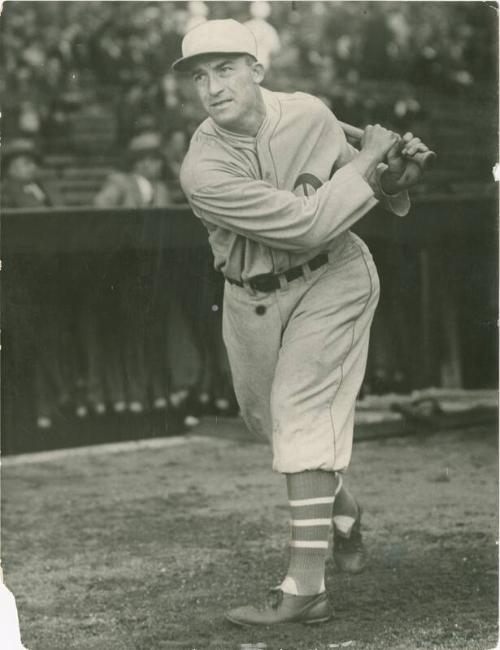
[{"x": 228, "y": 87}]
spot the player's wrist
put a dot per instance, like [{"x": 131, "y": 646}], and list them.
[{"x": 365, "y": 163}]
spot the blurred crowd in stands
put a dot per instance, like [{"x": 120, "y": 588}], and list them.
[
  {"x": 92, "y": 80},
  {"x": 58, "y": 57}
]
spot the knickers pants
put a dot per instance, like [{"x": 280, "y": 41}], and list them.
[{"x": 298, "y": 357}]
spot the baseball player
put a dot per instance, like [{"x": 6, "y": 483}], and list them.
[{"x": 278, "y": 187}]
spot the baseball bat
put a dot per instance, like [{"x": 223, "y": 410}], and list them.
[{"x": 424, "y": 159}]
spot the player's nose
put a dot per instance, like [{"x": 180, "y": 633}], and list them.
[{"x": 214, "y": 85}]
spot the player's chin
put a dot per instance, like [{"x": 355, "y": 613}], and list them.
[{"x": 226, "y": 114}]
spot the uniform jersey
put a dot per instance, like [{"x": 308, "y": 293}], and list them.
[{"x": 274, "y": 201}]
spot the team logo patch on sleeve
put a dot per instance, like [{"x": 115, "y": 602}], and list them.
[{"x": 307, "y": 184}]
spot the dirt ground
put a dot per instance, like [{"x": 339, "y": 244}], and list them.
[{"x": 144, "y": 550}]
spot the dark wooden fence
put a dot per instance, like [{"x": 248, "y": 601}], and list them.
[{"x": 436, "y": 323}]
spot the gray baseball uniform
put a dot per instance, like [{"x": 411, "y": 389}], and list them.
[{"x": 280, "y": 205}]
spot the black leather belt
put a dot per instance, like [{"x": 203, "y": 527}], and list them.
[{"x": 269, "y": 282}]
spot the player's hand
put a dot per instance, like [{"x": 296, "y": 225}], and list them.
[
  {"x": 378, "y": 141},
  {"x": 402, "y": 172}
]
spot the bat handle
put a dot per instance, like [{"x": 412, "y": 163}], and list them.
[{"x": 424, "y": 159}]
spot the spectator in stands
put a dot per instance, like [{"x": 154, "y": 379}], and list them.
[
  {"x": 166, "y": 104},
  {"x": 198, "y": 12},
  {"x": 29, "y": 119},
  {"x": 23, "y": 185},
  {"x": 141, "y": 184},
  {"x": 286, "y": 59},
  {"x": 133, "y": 113},
  {"x": 37, "y": 323},
  {"x": 54, "y": 74},
  {"x": 175, "y": 146},
  {"x": 268, "y": 40}
]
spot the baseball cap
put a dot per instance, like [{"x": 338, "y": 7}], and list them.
[{"x": 226, "y": 36}]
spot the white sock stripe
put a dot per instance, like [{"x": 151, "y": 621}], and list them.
[
  {"x": 315, "y": 501},
  {"x": 310, "y": 522},
  {"x": 299, "y": 543}
]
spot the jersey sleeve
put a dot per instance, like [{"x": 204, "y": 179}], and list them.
[
  {"x": 221, "y": 195},
  {"x": 398, "y": 204}
]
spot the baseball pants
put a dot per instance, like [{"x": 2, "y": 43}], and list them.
[{"x": 298, "y": 357}]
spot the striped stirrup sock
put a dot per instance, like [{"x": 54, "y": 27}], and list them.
[{"x": 311, "y": 496}]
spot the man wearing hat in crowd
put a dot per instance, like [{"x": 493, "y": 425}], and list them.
[
  {"x": 141, "y": 184},
  {"x": 277, "y": 186},
  {"x": 22, "y": 183}
]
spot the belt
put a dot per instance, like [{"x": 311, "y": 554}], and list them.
[{"x": 268, "y": 282}]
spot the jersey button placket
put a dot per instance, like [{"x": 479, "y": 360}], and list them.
[
  {"x": 268, "y": 174},
  {"x": 266, "y": 165}
]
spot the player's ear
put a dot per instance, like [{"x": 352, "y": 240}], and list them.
[{"x": 258, "y": 72}]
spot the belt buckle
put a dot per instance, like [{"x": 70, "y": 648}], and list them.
[{"x": 262, "y": 282}]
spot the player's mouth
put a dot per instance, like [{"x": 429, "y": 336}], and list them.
[{"x": 221, "y": 103}]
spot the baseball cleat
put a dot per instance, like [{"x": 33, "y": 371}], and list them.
[
  {"x": 281, "y": 608},
  {"x": 349, "y": 552}
]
